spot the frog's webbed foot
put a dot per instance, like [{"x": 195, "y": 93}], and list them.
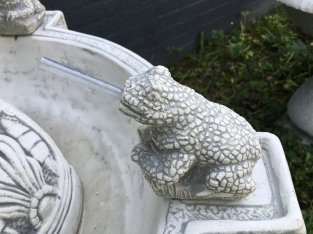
[
  {"x": 138, "y": 150},
  {"x": 232, "y": 179},
  {"x": 145, "y": 137},
  {"x": 162, "y": 167},
  {"x": 144, "y": 133},
  {"x": 11, "y": 15}
]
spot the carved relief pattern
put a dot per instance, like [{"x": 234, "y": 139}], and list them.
[
  {"x": 23, "y": 183},
  {"x": 61, "y": 23},
  {"x": 35, "y": 181},
  {"x": 98, "y": 43},
  {"x": 180, "y": 214},
  {"x": 190, "y": 147}
]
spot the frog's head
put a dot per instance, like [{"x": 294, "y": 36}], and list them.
[{"x": 151, "y": 97}]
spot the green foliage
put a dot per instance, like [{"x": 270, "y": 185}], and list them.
[
  {"x": 174, "y": 50},
  {"x": 308, "y": 216},
  {"x": 202, "y": 40},
  {"x": 237, "y": 49},
  {"x": 245, "y": 13},
  {"x": 254, "y": 70},
  {"x": 217, "y": 36},
  {"x": 243, "y": 24}
]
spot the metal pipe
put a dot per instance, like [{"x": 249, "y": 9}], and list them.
[{"x": 80, "y": 77}]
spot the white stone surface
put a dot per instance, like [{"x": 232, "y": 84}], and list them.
[
  {"x": 303, "y": 5},
  {"x": 273, "y": 208},
  {"x": 96, "y": 140},
  {"x": 86, "y": 126}
]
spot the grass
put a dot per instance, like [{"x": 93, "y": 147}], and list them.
[{"x": 255, "y": 70}]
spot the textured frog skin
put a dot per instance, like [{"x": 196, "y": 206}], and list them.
[
  {"x": 183, "y": 131},
  {"x": 20, "y": 17}
]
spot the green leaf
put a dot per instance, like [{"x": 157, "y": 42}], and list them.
[
  {"x": 297, "y": 48},
  {"x": 236, "y": 49},
  {"x": 245, "y": 13},
  {"x": 308, "y": 157}
]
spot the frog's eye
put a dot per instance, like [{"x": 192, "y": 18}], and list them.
[
  {"x": 154, "y": 96},
  {"x": 130, "y": 86}
]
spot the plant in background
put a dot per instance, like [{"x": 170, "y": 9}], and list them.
[
  {"x": 243, "y": 24},
  {"x": 175, "y": 50},
  {"x": 255, "y": 70}
]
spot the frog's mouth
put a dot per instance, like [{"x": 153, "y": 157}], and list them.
[{"x": 127, "y": 110}]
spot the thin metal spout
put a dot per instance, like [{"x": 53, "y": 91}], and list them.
[{"x": 80, "y": 77}]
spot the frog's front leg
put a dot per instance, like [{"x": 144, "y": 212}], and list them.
[
  {"x": 144, "y": 133},
  {"x": 145, "y": 138},
  {"x": 162, "y": 167}
]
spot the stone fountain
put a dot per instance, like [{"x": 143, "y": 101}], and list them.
[{"x": 96, "y": 140}]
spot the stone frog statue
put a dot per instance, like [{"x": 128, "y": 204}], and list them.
[
  {"x": 190, "y": 148},
  {"x": 20, "y": 17}
]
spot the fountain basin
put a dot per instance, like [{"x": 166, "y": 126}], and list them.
[{"x": 87, "y": 127}]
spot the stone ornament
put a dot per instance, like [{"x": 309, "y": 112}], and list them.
[
  {"x": 300, "y": 107},
  {"x": 36, "y": 183},
  {"x": 20, "y": 17},
  {"x": 302, "y": 5},
  {"x": 190, "y": 148}
]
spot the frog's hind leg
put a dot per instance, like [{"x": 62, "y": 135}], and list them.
[
  {"x": 162, "y": 167},
  {"x": 234, "y": 180}
]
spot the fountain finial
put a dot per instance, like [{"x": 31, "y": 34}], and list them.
[{"x": 20, "y": 17}]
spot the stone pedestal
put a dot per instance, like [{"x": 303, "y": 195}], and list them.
[{"x": 272, "y": 208}]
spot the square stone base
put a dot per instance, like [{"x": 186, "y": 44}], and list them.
[{"x": 272, "y": 208}]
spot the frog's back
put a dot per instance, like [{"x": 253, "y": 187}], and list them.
[{"x": 227, "y": 138}]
